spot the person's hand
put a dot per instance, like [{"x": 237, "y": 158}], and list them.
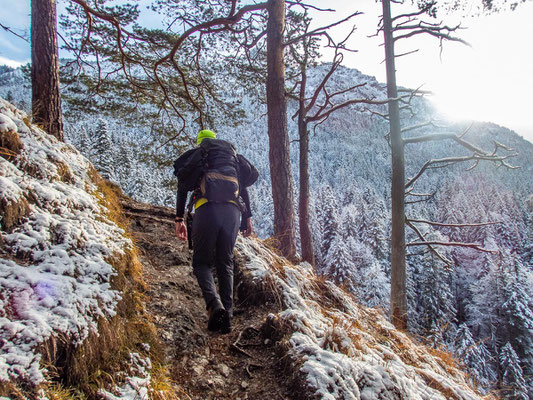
[
  {"x": 249, "y": 228},
  {"x": 181, "y": 230}
]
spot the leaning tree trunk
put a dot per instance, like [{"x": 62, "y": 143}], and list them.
[
  {"x": 280, "y": 163},
  {"x": 306, "y": 238},
  {"x": 398, "y": 302},
  {"x": 46, "y": 102}
]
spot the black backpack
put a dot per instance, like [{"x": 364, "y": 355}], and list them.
[
  {"x": 248, "y": 174},
  {"x": 213, "y": 167}
]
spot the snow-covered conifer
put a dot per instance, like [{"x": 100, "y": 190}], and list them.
[
  {"x": 474, "y": 356},
  {"x": 512, "y": 383},
  {"x": 338, "y": 264},
  {"x": 372, "y": 284},
  {"x": 83, "y": 142},
  {"x": 103, "y": 151},
  {"x": 328, "y": 217}
]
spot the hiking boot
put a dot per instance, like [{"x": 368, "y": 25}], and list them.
[
  {"x": 226, "y": 325},
  {"x": 216, "y": 318}
]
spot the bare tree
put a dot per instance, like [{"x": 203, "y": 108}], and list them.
[
  {"x": 46, "y": 100},
  {"x": 396, "y": 28},
  {"x": 317, "y": 107}
]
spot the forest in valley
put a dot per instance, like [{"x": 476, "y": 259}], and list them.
[{"x": 426, "y": 219}]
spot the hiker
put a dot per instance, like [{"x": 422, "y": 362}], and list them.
[{"x": 218, "y": 178}]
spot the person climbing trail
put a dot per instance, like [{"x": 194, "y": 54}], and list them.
[{"x": 218, "y": 178}]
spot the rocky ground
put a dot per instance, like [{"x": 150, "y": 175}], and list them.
[{"x": 240, "y": 365}]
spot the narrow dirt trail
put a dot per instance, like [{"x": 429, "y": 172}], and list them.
[{"x": 205, "y": 365}]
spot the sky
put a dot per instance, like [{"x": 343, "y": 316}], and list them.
[{"x": 489, "y": 81}]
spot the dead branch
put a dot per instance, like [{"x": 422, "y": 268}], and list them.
[
  {"x": 406, "y": 53},
  {"x": 474, "y": 246},
  {"x": 419, "y": 126},
  {"x": 236, "y": 348},
  {"x": 324, "y": 114},
  {"x": 250, "y": 365},
  {"x": 427, "y": 197},
  {"x": 423, "y": 221},
  {"x": 8, "y": 29},
  {"x": 411, "y": 15},
  {"x": 432, "y": 32},
  {"x": 321, "y": 30},
  {"x": 433, "y": 164},
  {"x": 443, "y": 258},
  {"x": 306, "y": 6}
]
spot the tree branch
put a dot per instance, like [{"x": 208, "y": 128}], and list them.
[
  {"x": 8, "y": 29},
  {"x": 321, "y": 30},
  {"x": 423, "y": 221},
  {"x": 443, "y": 258},
  {"x": 474, "y": 246}
]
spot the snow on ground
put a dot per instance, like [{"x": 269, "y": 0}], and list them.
[
  {"x": 136, "y": 386},
  {"x": 54, "y": 275},
  {"x": 343, "y": 350}
]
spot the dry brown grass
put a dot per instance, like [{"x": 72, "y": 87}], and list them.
[
  {"x": 445, "y": 360},
  {"x": 95, "y": 363},
  {"x": 164, "y": 388},
  {"x": 64, "y": 172},
  {"x": 82, "y": 370},
  {"x": 12, "y": 212},
  {"x": 11, "y": 391},
  {"x": 435, "y": 384},
  {"x": 10, "y": 145},
  {"x": 109, "y": 195},
  {"x": 55, "y": 391}
]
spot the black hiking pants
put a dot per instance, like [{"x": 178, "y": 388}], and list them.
[{"x": 214, "y": 231}]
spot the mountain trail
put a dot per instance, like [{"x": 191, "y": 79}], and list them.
[{"x": 240, "y": 365}]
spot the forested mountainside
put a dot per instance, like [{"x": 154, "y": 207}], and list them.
[
  {"x": 87, "y": 274},
  {"x": 481, "y": 308}
]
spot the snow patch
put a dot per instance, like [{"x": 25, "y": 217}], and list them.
[
  {"x": 343, "y": 350},
  {"x": 55, "y": 277},
  {"x": 136, "y": 386},
  {"x": 7, "y": 124}
]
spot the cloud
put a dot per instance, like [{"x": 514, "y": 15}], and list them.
[{"x": 11, "y": 63}]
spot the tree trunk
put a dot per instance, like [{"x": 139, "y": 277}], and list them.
[
  {"x": 398, "y": 302},
  {"x": 306, "y": 238},
  {"x": 280, "y": 163},
  {"x": 46, "y": 101}
]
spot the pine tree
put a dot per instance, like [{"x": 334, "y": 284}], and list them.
[
  {"x": 517, "y": 312},
  {"x": 124, "y": 162},
  {"x": 46, "y": 99},
  {"x": 372, "y": 283},
  {"x": 501, "y": 308},
  {"x": 102, "y": 150},
  {"x": 83, "y": 142},
  {"x": 436, "y": 298},
  {"x": 512, "y": 380},
  {"x": 338, "y": 264},
  {"x": 329, "y": 220},
  {"x": 475, "y": 357},
  {"x": 350, "y": 217}
]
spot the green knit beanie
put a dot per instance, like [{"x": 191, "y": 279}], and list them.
[{"x": 205, "y": 134}]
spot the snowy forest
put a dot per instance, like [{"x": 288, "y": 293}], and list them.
[{"x": 474, "y": 299}]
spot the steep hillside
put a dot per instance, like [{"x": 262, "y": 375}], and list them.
[
  {"x": 71, "y": 319},
  {"x": 75, "y": 303}
]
